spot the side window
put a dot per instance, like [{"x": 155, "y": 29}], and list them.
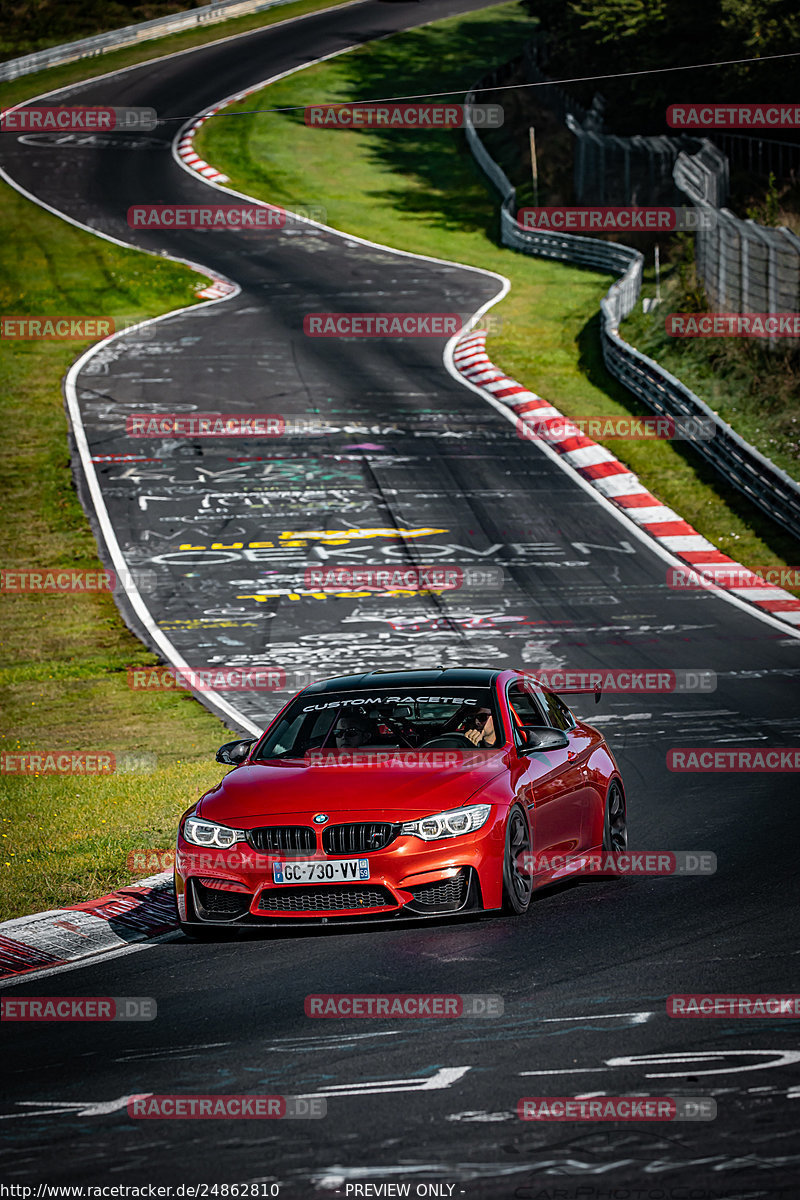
[
  {"x": 558, "y": 714},
  {"x": 524, "y": 706}
]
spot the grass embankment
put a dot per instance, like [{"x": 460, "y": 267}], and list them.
[
  {"x": 63, "y": 657},
  {"x": 28, "y": 27},
  {"x": 754, "y": 388},
  {"x": 421, "y": 191}
]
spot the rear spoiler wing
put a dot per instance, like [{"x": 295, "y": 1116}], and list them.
[
  {"x": 557, "y": 691},
  {"x": 598, "y": 691}
]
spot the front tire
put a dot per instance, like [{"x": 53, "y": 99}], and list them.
[
  {"x": 200, "y": 933},
  {"x": 615, "y": 821},
  {"x": 517, "y": 881}
]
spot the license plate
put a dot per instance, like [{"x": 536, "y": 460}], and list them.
[{"x": 344, "y": 870}]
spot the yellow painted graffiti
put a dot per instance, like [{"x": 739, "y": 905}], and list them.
[
  {"x": 332, "y": 537},
  {"x": 308, "y": 594}
]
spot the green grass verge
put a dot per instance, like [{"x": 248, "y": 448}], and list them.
[
  {"x": 29, "y": 27},
  {"x": 423, "y": 192},
  {"x": 63, "y": 657},
  {"x": 753, "y": 388}
]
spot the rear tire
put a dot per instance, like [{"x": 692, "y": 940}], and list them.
[
  {"x": 615, "y": 824},
  {"x": 615, "y": 821},
  {"x": 517, "y": 882}
]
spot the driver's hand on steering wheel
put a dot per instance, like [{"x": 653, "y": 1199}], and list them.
[{"x": 484, "y": 736}]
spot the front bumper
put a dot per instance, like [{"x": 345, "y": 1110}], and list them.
[{"x": 408, "y": 879}]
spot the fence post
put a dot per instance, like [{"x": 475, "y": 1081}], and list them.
[
  {"x": 746, "y": 305},
  {"x": 579, "y": 157},
  {"x": 757, "y": 233}
]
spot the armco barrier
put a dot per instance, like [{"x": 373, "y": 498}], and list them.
[
  {"x": 740, "y": 464},
  {"x": 130, "y": 35},
  {"x": 745, "y": 267}
]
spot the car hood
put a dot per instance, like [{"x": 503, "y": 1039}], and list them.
[{"x": 262, "y": 793}]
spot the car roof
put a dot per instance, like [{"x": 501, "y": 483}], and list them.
[{"x": 436, "y": 676}]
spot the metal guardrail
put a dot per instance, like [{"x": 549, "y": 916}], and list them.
[
  {"x": 739, "y": 463},
  {"x": 745, "y": 267},
  {"x": 759, "y": 156},
  {"x": 130, "y": 35},
  {"x": 625, "y": 170}
]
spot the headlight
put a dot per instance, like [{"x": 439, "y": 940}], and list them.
[
  {"x": 206, "y": 833},
  {"x": 449, "y": 824}
]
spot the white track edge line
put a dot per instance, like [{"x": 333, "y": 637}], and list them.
[
  {"x": 102, "y": 513},
  {"x": 132, "y": 592},
  {"x": 635, "y": 530},
  {"x": 641, "y": 535}
]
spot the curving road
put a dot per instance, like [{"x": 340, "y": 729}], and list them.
[{"x": 426, "y": 461}]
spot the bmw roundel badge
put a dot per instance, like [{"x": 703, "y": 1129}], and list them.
[{"x": 320, "y": 818}]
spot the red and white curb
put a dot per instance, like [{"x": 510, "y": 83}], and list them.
[
  {"x": 53, "y": 939},
  {"x": 184, "y": 148},
  {"x": 618, "y": 484},
  {"x": 217, "y": 289},
  {"x": 186, "y": 151}
]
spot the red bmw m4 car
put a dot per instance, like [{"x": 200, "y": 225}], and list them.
[{"x": 398, "y": 794}]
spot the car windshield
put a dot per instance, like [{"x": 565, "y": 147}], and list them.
[{"x": 383, "y": 718}]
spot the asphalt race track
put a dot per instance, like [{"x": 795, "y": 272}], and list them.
[{"x": 418, "y": 468}]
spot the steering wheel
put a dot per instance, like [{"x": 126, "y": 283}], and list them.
[{"x": 449, "y": 741}]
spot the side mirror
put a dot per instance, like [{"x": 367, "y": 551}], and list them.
[
  {"x": 543, "y": 737},
  {"x": 233, "y": 753}
]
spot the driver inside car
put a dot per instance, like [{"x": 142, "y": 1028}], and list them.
[
  {"x": 352, "y": 731},
  {"x": 482, "y": 734}
]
